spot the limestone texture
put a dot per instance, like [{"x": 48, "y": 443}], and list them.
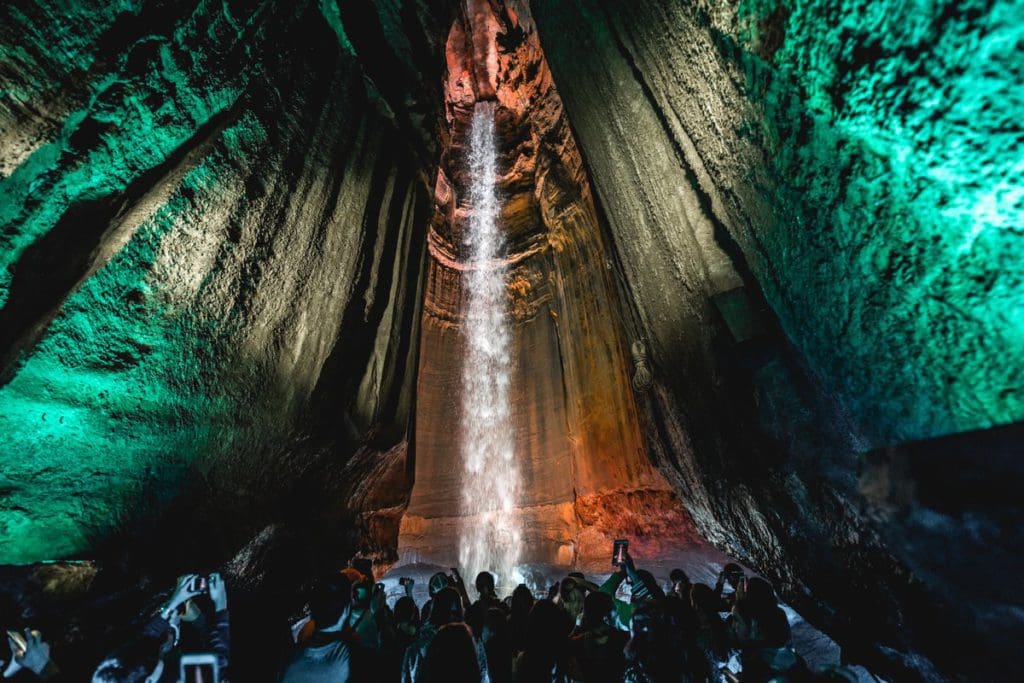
[
  {"x": 579, "y": 446},
  {"x": 212, "y": 247},
  {"x": 815, "y": 208},
  {"x": 766, "y": 281}
]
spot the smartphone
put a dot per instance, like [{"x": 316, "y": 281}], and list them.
[
  {"x": 199, "y": 668},
  {"x": 619, "y": 549},
  {"x": 405, "y": 581},
  {"x": 200, "y": 584},
  {"x": 20, "y": 644}
]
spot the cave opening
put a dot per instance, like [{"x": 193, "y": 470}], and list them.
[{"x": 420, "y": 284}]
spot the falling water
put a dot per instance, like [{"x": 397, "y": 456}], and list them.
[{"x": 491, "y": 536}]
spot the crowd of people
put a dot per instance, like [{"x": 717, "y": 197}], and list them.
[{"x": 578, "y": 632}]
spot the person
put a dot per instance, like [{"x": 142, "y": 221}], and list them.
[
  {"x": 155, "y": 653},
  {"x": 407, "y": 620},
  {"x": 759, "y": 629},
  {"x": 596, "y": 645},
  {"x": 330, "y": 653},
  {"x": 570, "y": 597},
  {"x": 680, "y": 584},
  {"x": 543, "y": 657},
  {"x": 642, "y": 586},
  {"x": 732, "y": 576},
  {"x": 446, "y": 608},
  {"x": 711, "y": 638},
  {"x": 365, "y": 618},
  {"x": 140, "y": 660},
  {"x": 205, "y": 624},
  {"x": 487, "y": 600},
  {"x": 437, "y": 583},
  {"x": 519, "y": 615},
  {"x": 655, "y": 652},
  {"x": 26, "y": 657},
  {"x": 451, "y": 657},
  {"x": 496, "y": 638}
]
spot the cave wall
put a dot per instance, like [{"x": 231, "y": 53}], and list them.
[
  {"x": 812, "y": 207},
  {"x": 212, "y": 244}
]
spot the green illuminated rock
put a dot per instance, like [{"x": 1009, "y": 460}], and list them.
[
  {"x": 195, "y": 201},
  {"x": 816, "y": 208}
]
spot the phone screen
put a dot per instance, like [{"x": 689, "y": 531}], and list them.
[
  {"x": 199, "y": 673},
  {"x": 619, "y": 549}
]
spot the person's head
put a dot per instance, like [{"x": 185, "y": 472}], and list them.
[
  {"x": 598, "y": 609},
  {"x": 139, "y": 661},
  {"x": 331, "y": 601},
  {"x": 354, "y": 575},
  {"x": 485, "y": 584},
  {"x": 522, "y": 600},
  {"x": 547, "y": 628},
  {"x": 759, "y": 593},
  {"x": 703, "y": 599},
  {"x": 438, "y": 582},
  {"x": 570, "y": 590},
  {"x": 451, "y": 657},
  {"x": 406, "y": 611},
  {"x": 680, "y": 583},
  {"x": 733, "y": 574},
  {"x": 361, "y": 594},
  {"x": 446, "y": 607}
]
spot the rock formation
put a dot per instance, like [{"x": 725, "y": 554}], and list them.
[
  {"x": 579, "y": 446},
  {"x": 229, "y": 290}
]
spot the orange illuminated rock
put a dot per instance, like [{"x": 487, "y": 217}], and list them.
[{"x": 581, "y": 455}]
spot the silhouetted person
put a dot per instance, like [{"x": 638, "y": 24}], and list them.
[
  {"x": 570, "y": 597},
  {"x": 365, "y": 617},
  {"x": 596, "y": 645},
  {"x": 496, "y": 638},
  {"x": 680, "y": 583},
  {"x": 446, "y": 608},
  {"x": 711, "y": 637},
  {"x": 758, "y": 628},
  {"x": 642, "y": 586},
  {"x": 437, "y": 583},
  {"x": 547, "y": 634},
  {"x": 519, "y": 616},
  {"x": 488, "y": 599},
  {"x": 655, "y": 652},
  {"x": 731, "y": 576},
  {"x": 407, "y": 620},
  {"x": 329, "y": 654},
  {"x": 451, "y": 657}
]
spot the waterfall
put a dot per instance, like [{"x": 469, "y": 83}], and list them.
[{"x": 490, "y": 537}]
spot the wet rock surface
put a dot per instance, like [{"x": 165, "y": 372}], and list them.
[
  {"x": 580, "y": 452},
  {"x": 813, "y": 273},
  {"x": 223, "y": 231}
]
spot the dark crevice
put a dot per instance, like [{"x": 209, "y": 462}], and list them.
[{"x": 53, "y": 266}]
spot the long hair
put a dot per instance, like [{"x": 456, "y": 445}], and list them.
[{"x": 451, "y": 657}]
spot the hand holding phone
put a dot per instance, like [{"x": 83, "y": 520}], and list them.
[
  {"x": 200, "y": 584},
  {"x": 200, "y": 668},
  {"x": 18, "y": 644}
]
